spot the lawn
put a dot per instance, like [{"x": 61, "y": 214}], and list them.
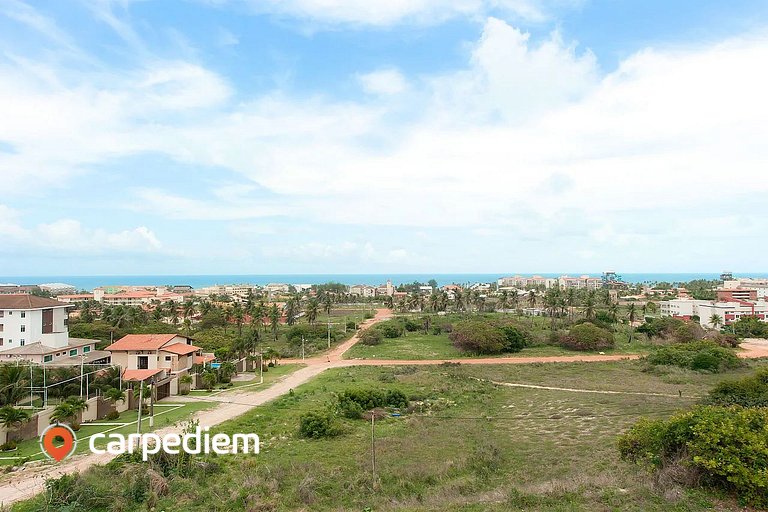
[
  {"x": 467, "y": 444},
  {"x": 166, "y": 413},
  {"x": 252, "y": 383}
]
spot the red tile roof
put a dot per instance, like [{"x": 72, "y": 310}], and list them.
[
  {"x": 25, "y": 301},
  {"x": 205, "y": 358},
  {"x": 181, "y": 349},
  {"x": 141, "y": 342},
  {"x": 140, "y": 374}
]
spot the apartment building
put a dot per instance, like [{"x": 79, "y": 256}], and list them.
[{"x": 362, "y": 290}]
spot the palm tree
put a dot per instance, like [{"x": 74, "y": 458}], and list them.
[
  {"x": 115, "y": 395},
  {"x": 12, "y": 418},
  {"x": 570, "y": 302},
  {"x": 238, "y": 315},
  {"x": 291, "y": 311},
  {"x": 185, "y": 382},
  {"x": 613, "y": 310},
  {"x": 458, "y": 298},
  {"x": 589, "y": 305},
  {"x": 68, "y": 411},
  {"x": 209, "y": 379},
  {"x": 13, "y": 381},
  {"x": 274, "y": 319},
  {"x": 272, "y": 355},
  {"x": 716, "y": 320},
  {"x": 328, "y": 305},
  {"x": 312, "y": 310},
  {"x": 504, "y": 300},
  {"x": 226, "y": 370}
]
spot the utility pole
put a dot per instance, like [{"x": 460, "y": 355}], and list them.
[
  {"x": 141, "y": 399},
  {"x": 152, "y": 403},
  {"x": 373, "y": 446},
  {"x": 302, "y": 348},
  {"x": 329, "y": 332},
  {"x": 82, "y": 360},
  {"x": 261, "y": 368}
]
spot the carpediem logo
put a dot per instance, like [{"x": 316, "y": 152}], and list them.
[
  {"x": 59, "y": 442},
  {"x": 193, "y": 443}
]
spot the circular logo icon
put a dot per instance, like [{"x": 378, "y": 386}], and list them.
[{"x": 58, "y": 442}]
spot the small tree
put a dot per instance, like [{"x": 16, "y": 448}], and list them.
[
  {"x": 226, "y": 370},
  {"x": 67, "y": 411},
  {"x": 185, "y": 382},
  {"x": 209, "y": 379},
  {"x": 12, "y": 418}
]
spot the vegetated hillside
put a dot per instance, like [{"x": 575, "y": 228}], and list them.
[{"x": 462, "y": 443}]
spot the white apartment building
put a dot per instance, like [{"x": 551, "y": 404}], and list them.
[
  {"x": 58, "y": 288},
  {"x": 36, "y": 328},
  {"x": 728, "y": 312},
  {"x": 581, "y": 282},
  {"x": 362, "y": 290},
  {"x": 760, "y": 285}
]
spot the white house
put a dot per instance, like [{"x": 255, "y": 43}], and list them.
[{"x": 35, "y": 328}]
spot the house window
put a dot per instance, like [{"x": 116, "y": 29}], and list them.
[
  {"x": 23, "y": 314},
  {"x": 1, "y": 342},
  {"x": 73, "y": 352},
  {"x": 86, "y": 349},
  {"x": 48, "y": 358},
  {"x": 143, "y": 363},
  {"x": 23, "y": 328},
  {"x": 21, "y": 342},
  {"x": 1, "y": 327},
  {"x": 2, "y": 314},
  {"x": 167, "y": 358}
]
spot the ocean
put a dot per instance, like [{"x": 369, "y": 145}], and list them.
[{"x": 200, "y": 281}]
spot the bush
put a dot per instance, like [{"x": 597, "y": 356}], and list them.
[
  {"x": 478, "y": 337},
  {"x": 515, "y": 339},
  {"x": 368, "y": 399},
  {"x": 411, "y": 325},
  {"x": 727, "y": 445},
  {"x": 351, "y": 325},
  {"x": 370, "y": 337},
  {"x": 8, "y": 446},
  {"x": 317, "y": 425},
  {"x": 390, "y": 329},
  {"x": 587, "y": 336},
  {"x": 700, "y": 356},
  {"x": 308, "y": 332},
  {"x": 747, "y": 392},
  {"x": 750, "y": 327},
  {"x": 112, "y": 415}
]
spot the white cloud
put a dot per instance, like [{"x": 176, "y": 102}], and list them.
[
  {"x": 383, "y": 81},
  {"x": 68, "y": 236},
  {"x": 391, "y": 12}
]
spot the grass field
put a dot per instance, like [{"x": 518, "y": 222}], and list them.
[
  {"x": 469, "y": 445},
  {"x": 252, "y": 383},
  {"x": 417, "y": 345}
]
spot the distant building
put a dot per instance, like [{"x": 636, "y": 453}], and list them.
[
  {"x": 15, "y": 289},
  {"x": 58, "y": 288},
  {"x": 583, "y": 282},
  {"x": 362, "y": 290},
  {"x": 728, "y": 311},
  {"x": 36, "y": 329},
  {"x": 736, "y": 294},
  {"x": 136, "y": 297},
  {"x": 385, "y": 289},
  {"x": 426, "y": 290},
  {"x": 759, "y": 285},
  {"x": 277, "y": 288}
]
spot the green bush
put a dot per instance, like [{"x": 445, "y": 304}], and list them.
[
  {"x": 477, "y": 337},
  {"x": 750, "y": 327},
  {"x": 371, "y": 337},
  {"x": 370, "y": 398},
  {"x": 112, "y": 415},
  {"x": 728, "y": 445},
  {"x": 317, "y": 425},
  {"x": 587, "y": 336},
  {"x": 700, "y": 356},
  {"x": 390, "y": 329},
  {"x": 747, "y": 392},
  {"x": 308, "y": 332},
  {"x": 671, "y": 328},
  {"x": 515, "y": 339}
]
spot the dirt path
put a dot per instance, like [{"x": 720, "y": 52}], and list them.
[{"x": 30, "y": 481}]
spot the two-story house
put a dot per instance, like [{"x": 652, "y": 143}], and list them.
[
  {"x": 36, "y": 329},
  {"x": 157, "y": 358}
]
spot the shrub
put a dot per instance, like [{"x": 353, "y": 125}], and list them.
[
  {"x": 515, "y": 339},
  {"x": 317, "y": 425},
  {"x": 747, "y": 392},
  {"x": 370, "y": 337},
  {"x": 750, "y": 326},
  {"x": 726, "y": 444},
  {"x": 308, "y": 332},
  {"x": 478, "y": 337},
  {"x": 8, "y": 446},
  {"x": 587, "y": 336},
  {"x": 411, "y": 325},
  {"x": 370, "y": 398},
  {"x": 700, "y": 356},
  {"x": 112, "y": 415},
  {"x": 351, "y": 325},
  {"x": 368, "y": 315},
  {"x": 672, "y": 328},
  {"x": 390, "y": 329}
]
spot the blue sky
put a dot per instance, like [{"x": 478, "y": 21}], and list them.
[{"x": 351, "y": 136}]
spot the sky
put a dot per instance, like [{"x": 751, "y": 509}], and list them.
[{"x": 362, "y": 136}]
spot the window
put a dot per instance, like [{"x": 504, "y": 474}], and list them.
[
  {"x": 23, "y": 328},
  {"x": 1, "y": 342},
  {"x": 143, "y": 362},
  {"x": 21, "y": 342},
  {"x": 86, "y": 349},
  {"x": 73, "y": 352},
  {"x": 23, "y": 314},
  {"x": 167, "y": 358},
  {"x": 48, "y": 358},
  {"x": 2, "y": 314},
  {"x": 1, "y": 327}
]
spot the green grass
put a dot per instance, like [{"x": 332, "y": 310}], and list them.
[
  {"x": 417, "y": 345},
  {"x": 270, "y": 376},
  {"x": 166, "y": 413},
  {"x": 468, "y": 445}
]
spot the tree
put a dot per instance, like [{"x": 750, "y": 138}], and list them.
[
  {"x": 291, "y": 311},
  {"x": 68, "y": 410},
  {"x": 226, "y": 370},
  {"x": 327, "y": 304},
  {"x": 631, "y": 316},
  {"x": 185, "y": 383},
  {"x": 209, "y": 379},
  {"x": 274, "y": 319},
  {"x": 312, "y": 310},
  {"x": 114, "y": 395},
  {"x": 238, "y": 315},
  {"x": 716, "y": 320},
  {"x": 504, "y": 300},
  {"x": 12, "y": 418},
  {"x": 589, "y": 305},
  {"x": 613, "y": 310},
  {"x": 13, "y": 381},
  {"x": 272, "y": 355}
]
